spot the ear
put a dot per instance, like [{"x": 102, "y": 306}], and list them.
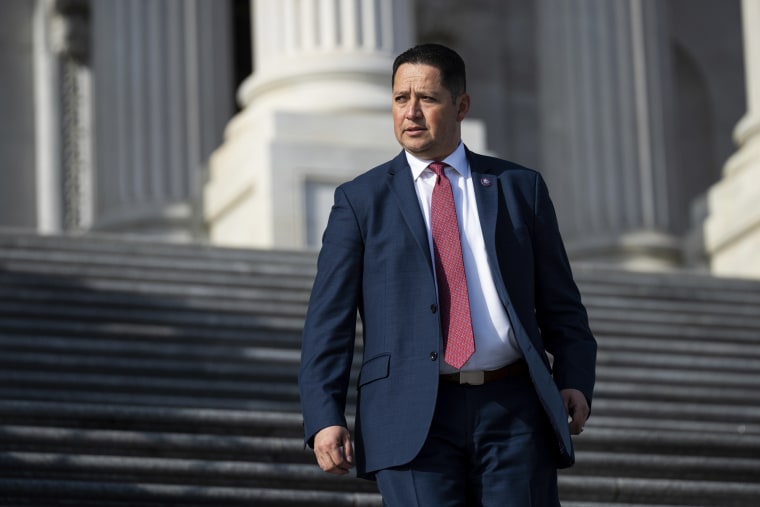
[{"x": 463, "y": 106}]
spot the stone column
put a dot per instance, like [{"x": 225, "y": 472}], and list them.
[
  {"x": 732, "y": 229},
  {"x": 321, "y": 55},
  {"x": 71, "y": 29},
  {"x": 162, "y": 96},
  {"x": 606, "y": 129},
  {"x": 18, "y": 107},
  {"x": 62, "y": 112},
  {"x": 316, "y": 112}
]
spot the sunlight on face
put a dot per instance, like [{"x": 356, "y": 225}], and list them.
[{"x": 426, "y": 118}]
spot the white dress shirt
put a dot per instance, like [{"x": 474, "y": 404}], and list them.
[{"x": 495, "y": 344}]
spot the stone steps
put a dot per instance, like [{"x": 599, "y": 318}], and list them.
[
  {"x": 117, "y": 494},
  {"x": 651, "y": 491},
  {"x": 137, "y": 373}
]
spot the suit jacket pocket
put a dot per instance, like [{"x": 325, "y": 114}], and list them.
[{"x": 375, "y": 368}]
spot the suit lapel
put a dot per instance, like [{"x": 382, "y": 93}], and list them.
[
  {"x": 487, "y": 198},
  {"x": 401, "y": 185},
  {"x": 487, "y": 195},
  {"x": 486, "y": 188}
]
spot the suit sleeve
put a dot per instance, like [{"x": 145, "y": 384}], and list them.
[
  {"x": 330, "y": 326},
  {"x": 561, "y": 316}
]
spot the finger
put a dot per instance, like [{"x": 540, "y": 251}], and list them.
[
  {"x": 576, "y": 427},
  {"x": 338, "y": 457},
  {"x": 330, "y": 464},
  {"x": 333, "y": 459},
  {"x": 579, "y": 414},
  {"x": 330, "y": 446},
  {"x": 348, "y": 450}
]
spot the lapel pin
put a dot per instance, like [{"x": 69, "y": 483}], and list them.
[{"x": 486, "y": 182}]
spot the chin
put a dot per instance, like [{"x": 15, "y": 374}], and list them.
[{"x": 417, "y": 149}]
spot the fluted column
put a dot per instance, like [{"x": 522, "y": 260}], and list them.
[
  {"x": 316, "y": 112},
  {"x": 162, "y": 98},
  {"x": 732, "y": 230},
  {"x": 606, "y": 128},
  {"x": 62, "y": 97},
  {"x": 325, "y": 54},
  {"x": 19, "y": 107}
]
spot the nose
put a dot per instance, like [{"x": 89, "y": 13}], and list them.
[{"x": 412, "y": 110}]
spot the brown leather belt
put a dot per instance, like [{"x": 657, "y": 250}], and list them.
[{"x": 476, "y": 378}]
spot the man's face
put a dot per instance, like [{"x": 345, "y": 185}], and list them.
[{"x": 426, "y": 119}]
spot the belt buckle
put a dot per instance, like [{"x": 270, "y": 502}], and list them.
[{"x": 474, "y": 378}]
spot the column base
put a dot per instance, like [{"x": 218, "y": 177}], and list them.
[
  {"x": 260, "y": 178},
  {"x": 732, "y": 230},
  {"x": 172, "y": 222},
  {"x": 639, "y": 250},
  {"x": 272, "y": 181}
]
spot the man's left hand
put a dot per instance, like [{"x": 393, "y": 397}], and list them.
[{"x": 577, "y": 408}]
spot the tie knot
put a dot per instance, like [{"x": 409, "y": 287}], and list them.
[{"x": 437, "y": 168}]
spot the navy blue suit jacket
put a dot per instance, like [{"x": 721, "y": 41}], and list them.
[{"x": 375, "y": 258}]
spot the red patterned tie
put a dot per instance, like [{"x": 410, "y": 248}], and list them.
[{"x": 458, "y": 340}]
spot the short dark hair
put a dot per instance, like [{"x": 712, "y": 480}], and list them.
[{"x": 445, "y": 59}]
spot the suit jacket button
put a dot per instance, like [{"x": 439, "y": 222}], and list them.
[
  {"x": 433, "y": 356},
  {"x": 434, "y": 308}
]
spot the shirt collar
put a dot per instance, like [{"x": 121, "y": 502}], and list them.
[{"x": 457, "y": 160}]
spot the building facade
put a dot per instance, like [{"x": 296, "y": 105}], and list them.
[{"x": 232, "y": 121}]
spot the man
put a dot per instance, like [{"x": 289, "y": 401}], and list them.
[{"x": 455, "y": 264}]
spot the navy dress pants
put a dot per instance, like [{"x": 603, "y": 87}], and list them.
[{"x": 488, "y": 446}]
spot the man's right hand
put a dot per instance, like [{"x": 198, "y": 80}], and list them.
[{"x": 333, "y": 449}]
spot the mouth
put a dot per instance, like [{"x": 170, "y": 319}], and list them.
[{"x": 414, "y": 130}]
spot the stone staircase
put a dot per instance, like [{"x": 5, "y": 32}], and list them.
[
  {"x": 676, "y": 415},
  {"x": 138, "y": 373}
]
